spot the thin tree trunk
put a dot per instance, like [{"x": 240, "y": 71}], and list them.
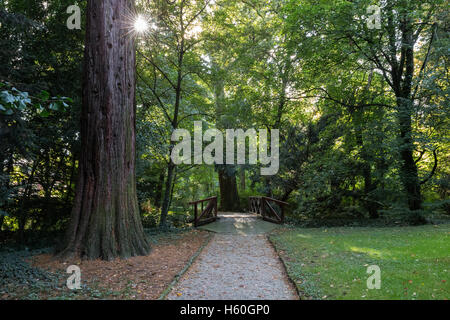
[
  {"x": 366, "y": 172},
  {"x": 24, "y": 202},
  {"x": 170, "y": 170},
  {"x": 166, "y": 199},
  {"x": 3, "y": 186},
  {"x": 159, "y": 190},
  {"x": 173, "y": 187},
  {"x": 71, "y": 179},
  {"x": 105, "y": 221},
  {"x": 242, "y": 179}
]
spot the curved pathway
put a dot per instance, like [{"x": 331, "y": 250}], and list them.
[{"x": 238, "y": 263}]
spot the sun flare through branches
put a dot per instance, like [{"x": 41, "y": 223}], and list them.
[{"x": 141, "y": 25}]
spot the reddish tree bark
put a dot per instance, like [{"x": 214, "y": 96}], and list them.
[
  {"x": 105, "y": 221},
  {"x": 229, "y": 198}
]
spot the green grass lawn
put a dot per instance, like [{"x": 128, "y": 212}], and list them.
[{"x": 332, "y": 263}]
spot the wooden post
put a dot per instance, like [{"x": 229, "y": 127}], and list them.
[
  {"x": 263, "y": 211},
  {"x": 195, "y": 215},
  {"x": 215, "y": 206}
]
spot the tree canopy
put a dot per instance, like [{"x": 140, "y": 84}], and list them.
[{"x": 362, "y": 109}]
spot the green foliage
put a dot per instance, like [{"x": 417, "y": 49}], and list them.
[
  {"x": 357, "y": 164},
  {"x": 311, "y": 69},
  {"x": 243, "y": 198},
  {"x": 39, "y": 126},
  {"x": 13, "y": 101},
  {"x": 16, "y": 272},
  {"x": 150, "y": 215},
  {"x": 179, "y": 218}
]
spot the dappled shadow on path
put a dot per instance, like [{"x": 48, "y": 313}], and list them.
[{"x": 239, "y": 223}]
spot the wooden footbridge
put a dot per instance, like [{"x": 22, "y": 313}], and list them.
[{"x": 269, "y": 209}]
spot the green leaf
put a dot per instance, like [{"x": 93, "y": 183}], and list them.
[
  {"x": 44, "y": 113},
  {"x": 22, "y": 105},
  {"x": 54, "y": 106},
  {"x": 44, "y": 95},
  {"x": 7, "y": 97}
]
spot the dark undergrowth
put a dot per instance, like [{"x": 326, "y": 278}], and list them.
[
  {"x": 16, "y": 273},
  {"x": 383, "y": 221}
]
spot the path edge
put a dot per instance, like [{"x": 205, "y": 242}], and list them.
[
  {"x": 283, "y": 262},
  {"x": 178, "y": 276}
]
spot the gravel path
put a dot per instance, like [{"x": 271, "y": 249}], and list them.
[{"x": 235, "y": 266}]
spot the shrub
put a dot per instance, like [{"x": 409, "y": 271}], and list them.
[
  {"x": 150, "y": 215},
  {"x": 15, "y": 271}
]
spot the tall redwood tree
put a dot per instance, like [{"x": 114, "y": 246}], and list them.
[{"x": 105, "y": 221}]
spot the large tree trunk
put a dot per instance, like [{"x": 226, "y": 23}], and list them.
[
  {"x": 229, "y": 199},
  {"x": 105, "y": 221},
  {"x": 408, "y": 169},
  {"x": 409, "y": 172}
]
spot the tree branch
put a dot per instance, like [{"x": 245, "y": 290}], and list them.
[
  {"x": 158, "y": 68},
  {"x": 432, "y": 170},
  {"x": 425, "y": 60},
  {"x": 161, "y": 104},
  {"x": 420, "y": 156}
]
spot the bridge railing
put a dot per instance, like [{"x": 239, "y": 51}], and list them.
[
  {"x": 270, "y": 209},
  {"x": 207, "y": 214}
]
